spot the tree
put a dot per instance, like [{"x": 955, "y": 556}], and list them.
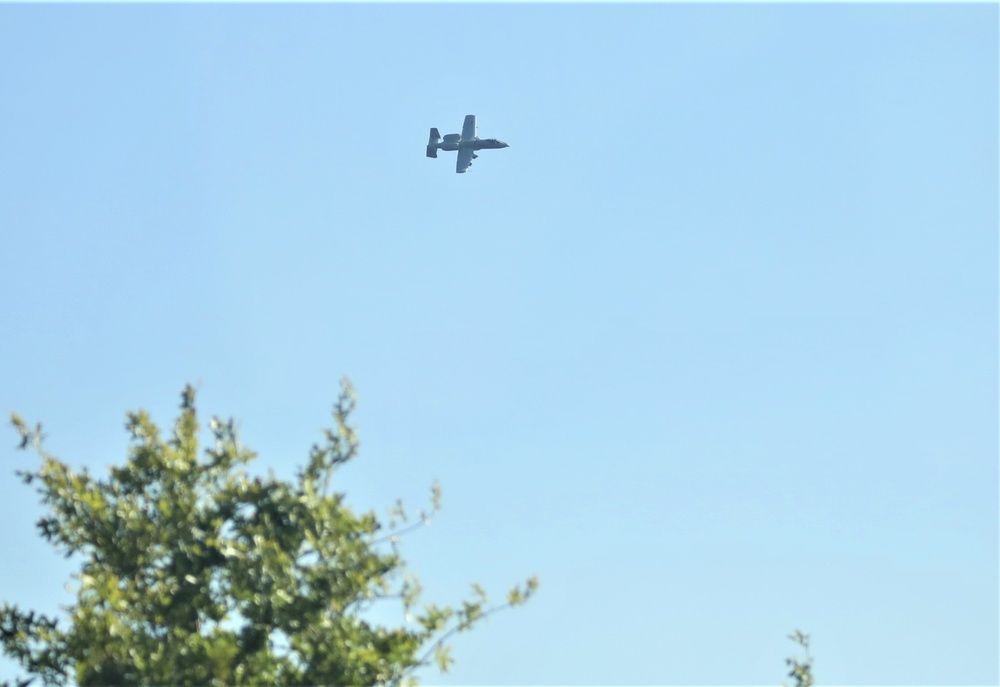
[
  {"x": 800, "y": 671},
  {"x": 193, "y": 572}
]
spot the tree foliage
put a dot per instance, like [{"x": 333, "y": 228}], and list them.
[
  {"x": 800, "y": 670},
  {"x": 194, "y": 572}
]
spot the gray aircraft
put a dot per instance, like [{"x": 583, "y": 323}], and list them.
[{"x": 466, "y": 143}]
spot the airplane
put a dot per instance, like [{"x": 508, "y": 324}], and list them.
[{"x": 466, "y": 143}]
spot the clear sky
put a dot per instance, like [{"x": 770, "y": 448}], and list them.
[{"x": 711, "y": 348}]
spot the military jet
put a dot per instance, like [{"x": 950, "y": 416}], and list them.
[{"x": 466, "y": 143}]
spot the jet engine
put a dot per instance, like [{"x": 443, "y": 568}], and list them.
[{"x": 450, "y": 142}]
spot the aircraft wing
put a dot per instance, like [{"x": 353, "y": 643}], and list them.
[
  {"x": 469, "y": 128},
  {"x": 464, "y": 158}
]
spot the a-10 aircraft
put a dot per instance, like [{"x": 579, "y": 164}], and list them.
[{"x": 466, "y": 143}]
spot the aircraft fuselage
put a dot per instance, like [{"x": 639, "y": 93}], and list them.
[{"x": 455, "y": 142}]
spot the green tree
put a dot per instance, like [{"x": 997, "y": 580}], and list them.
[
  {"x": 194, "y": 572},
  {"x": 800, "y": 671}
]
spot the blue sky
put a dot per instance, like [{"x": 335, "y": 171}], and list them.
[{"x": 711, "y": 348}]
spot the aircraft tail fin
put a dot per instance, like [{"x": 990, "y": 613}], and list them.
[{"x": 432, "y": 142}]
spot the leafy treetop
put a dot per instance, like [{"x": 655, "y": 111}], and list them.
[{"x": 193, "y": 572}]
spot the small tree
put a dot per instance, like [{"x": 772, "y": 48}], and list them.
[
  {"x": 195, "y": 573},
  {"x": 800, "y": 671}
]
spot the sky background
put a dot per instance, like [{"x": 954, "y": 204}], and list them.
[{"x": 711, "y": 348}]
